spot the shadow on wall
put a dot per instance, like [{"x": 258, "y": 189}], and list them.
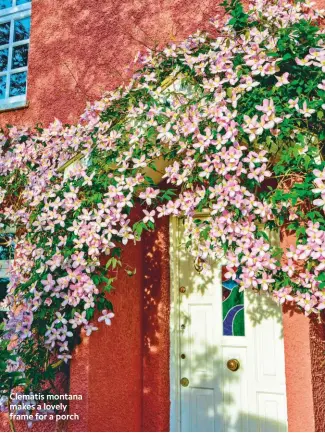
[
  {"x": 156, "y": 286},
  {"x": 156, "y": 339}
]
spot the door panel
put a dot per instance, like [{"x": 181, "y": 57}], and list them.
[
  {"x": 271, "y": 409},
  {"x": 235, "y": 390},
  {"x": 200, "y": 340},
  {"x": 211, "y": 332},
  {"x": 202, "y": 404}
]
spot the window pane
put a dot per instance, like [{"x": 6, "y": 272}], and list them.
[
  {"x": 232, "y": 309},
  {"x": 7, "y": 246},
  {"x": 3, "y": 60},
  {"x": 18, "y": 84},
  {"x": 5, "y": 4},
  {"x": 3, "y": 291},
  {"x": 22, "y": 2},
  {"x": 22, "y": 28},
  {"x": 20, "y": 56},
  {"x": 3, "y": 80},
  {"x": 4, "y": 33}
]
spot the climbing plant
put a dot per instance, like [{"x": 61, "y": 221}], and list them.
[{"x": 234, "y": 124}]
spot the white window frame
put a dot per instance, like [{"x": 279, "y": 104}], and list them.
[{"x": 11, "y": 14}]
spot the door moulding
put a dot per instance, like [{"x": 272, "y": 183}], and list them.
[{"x": 175, "y": 410}]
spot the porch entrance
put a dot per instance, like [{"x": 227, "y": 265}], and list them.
[{"x": 227, "y": 354}]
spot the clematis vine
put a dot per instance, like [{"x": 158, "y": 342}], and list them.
[{"x": 233, "y": 124}]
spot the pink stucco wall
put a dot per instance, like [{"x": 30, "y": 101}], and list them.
[
  {"x": 156, "y": 342},
  {"x": 317, "y": 349},
  {"x": 123, "y": 371},
  {"x": 298, "y": 370},
  {"x": 107, "y": 367},
  {"x": 79, "y": 48},
  {"x": 304, "y": 345}
]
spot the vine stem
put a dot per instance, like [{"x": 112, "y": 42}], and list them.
[{"x": 11, "y": 422}]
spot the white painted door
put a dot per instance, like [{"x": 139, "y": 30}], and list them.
[{"x": 253, "y": 398}]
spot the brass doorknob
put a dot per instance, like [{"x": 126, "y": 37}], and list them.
[
  {"x": 184, "y": 381},
  {"x": 233, "y": 364}
]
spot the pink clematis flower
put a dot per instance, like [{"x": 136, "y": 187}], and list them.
[
  {"x": 106, "y": 317},
  {"x": 282, "y": 80},
  {"x": 49, "y": 283}
]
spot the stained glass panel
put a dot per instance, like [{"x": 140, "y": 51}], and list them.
[{"x": 232, "y": 309}]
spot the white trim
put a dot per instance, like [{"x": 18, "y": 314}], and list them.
[{"x": 175, "y": 410}]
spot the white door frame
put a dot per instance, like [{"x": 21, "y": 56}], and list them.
[
  {"x": 175, "y": 412},
  {"x": 174, "y": 364}
]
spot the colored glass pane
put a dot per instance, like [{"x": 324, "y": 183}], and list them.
[{"x": 232, "y": 309}]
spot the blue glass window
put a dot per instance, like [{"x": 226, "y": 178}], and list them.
[
  {"x": 14, "y": 48},
  {"x": 2, "y": 87},
  {"x": 22, "y": 29},
  {"x": 4, "y": 4},
  {"x": 7, "y": 246}
]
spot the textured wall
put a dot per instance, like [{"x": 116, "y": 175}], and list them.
[
  {"x": 81, "y": 47},
  {"x": 304, "y": 344},
  {"x": 298, "y": 369},
  {"x": 156, "y": 342},
  {"x": 107, "y": 367},
  {"x": 317, "y": 345},
  {"x": 123, "y": 371}
]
